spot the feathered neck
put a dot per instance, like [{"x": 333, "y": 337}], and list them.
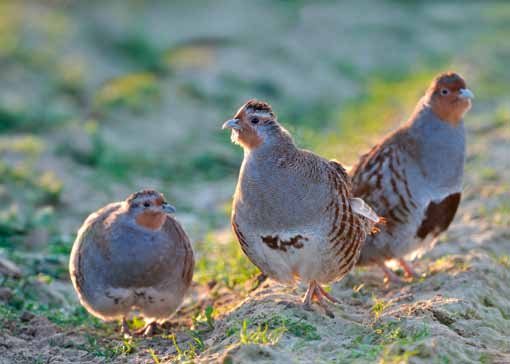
[{"x": 276, "y": 141}]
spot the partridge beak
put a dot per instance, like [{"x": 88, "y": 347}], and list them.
[
  {"x": 465, "y": 93},
  {"x": 169, "y": 209},
  {"x": 231, "y": 124}
]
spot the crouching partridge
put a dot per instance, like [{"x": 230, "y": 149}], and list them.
[
  {"x": 293, "y": 212},
  {"x": 132, "y": 255},
  {"x": 414, "y": 176}
]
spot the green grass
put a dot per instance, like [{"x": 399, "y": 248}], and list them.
[
  {"x": 504, "y": 260},
  {"x": 136, "y": 92},
  {"x": 489, "y": 174},
  {"x": 31, "y": 119},
  {"x": 28, "y": 145},
  {"x": 44, "y": 187},
  {"x": 33, "y": 295},
  {"x": 119, "y": 164},
  {"x": 262, "y": 329},
  {"x": 38, "y": 186},
  {"x": 384, "y": 340},
  {"x": 100, "y": 347},
  {"x": 139, "y": 49},
  {"x": 299, "y": 328},
  {"x": 498, "y": 212},
  {"x": 378, "y": 306},
  {"x": 261, "y": 334},
  {"x": 154, "y": 357},
  {"x": 222, "y": 262}
]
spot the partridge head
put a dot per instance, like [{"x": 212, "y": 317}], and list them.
[
  {"x": 449, "y": 97},
  {"x": 254, "y": 125},
  {"x": 148, "y": 209}
]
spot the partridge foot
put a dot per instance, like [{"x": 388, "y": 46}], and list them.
[
  {"x": 408, "y": 269},
  {"x": 147, "y": 330},
  {"x": 316, "y": 293},
  {"x": 389, "y": 275},
  {"x": 124, "y": 328}
]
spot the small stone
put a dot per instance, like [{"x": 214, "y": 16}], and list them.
[
  {"x": 26, "y": 316},
  {"x": 5, "y": 293},
  {"x": 9, "y": 268}
]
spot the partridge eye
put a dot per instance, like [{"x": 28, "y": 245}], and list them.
[
  {"x": 146, "y": 204},
  {"x": 444, "y": 91},
  {"x": 255, "y": 121}
]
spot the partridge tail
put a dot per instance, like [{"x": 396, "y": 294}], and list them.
[{"x": 362, "y": 208}]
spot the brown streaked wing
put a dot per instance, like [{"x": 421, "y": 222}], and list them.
[
  {"x": 189, "y": 259},
  {"x": 242, "y": 241},
  {"x": 381, "y": 181}
]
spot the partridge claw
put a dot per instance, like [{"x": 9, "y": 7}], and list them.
[
  {"x": 389, "y": 275},
  {"x": 408, "y": 269},
  {"x": 147, "y": 330}
]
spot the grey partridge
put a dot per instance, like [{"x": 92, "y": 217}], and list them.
[
  {"x": 293, "y": 212},
  {"x": 413, "y": 177},
  {"x": 132, "y": 255}
]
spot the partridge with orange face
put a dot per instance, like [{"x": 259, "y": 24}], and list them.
[
  {"x": 132, "y": 255},
  {"x": 293, "y": 212},
  {"x": 414, "y": 176}
]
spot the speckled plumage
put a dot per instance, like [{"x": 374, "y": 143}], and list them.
[
  {"x": 292, "y": 212},
  {"x": 116, "y": 265},
  {"x": 413, "y": 178}
]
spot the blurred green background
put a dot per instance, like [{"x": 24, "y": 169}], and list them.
[{"x": 101, "y": 98}]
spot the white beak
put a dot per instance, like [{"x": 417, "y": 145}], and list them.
[
  {"x": 168, "y": 208},
  {"x": 231, "y": 124},
  {"x": 465, "y": 93}
]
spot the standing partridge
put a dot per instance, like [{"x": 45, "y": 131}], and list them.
[
  {"x": 132, "y": 255},
  {"x": 293, "y": 212},
  {"x": 414, "y": 176}
]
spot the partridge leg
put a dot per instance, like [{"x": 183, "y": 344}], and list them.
[
  {"x": 327, "y": 295},
  {"x": 389, "y": 275},
  {"x": 316, "y": 293},
  {"x": 307, "y": 300},
  {"x": 321, "y": 300},
  {"x": 408, "y": 269},
  {"x": 147, "y": 330},
  {"x": 124, "y": 328}
]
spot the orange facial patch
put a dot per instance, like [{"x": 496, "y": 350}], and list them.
[
  {"x": 150, "y": 219},
  {"x": 248, "y": 137}
]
